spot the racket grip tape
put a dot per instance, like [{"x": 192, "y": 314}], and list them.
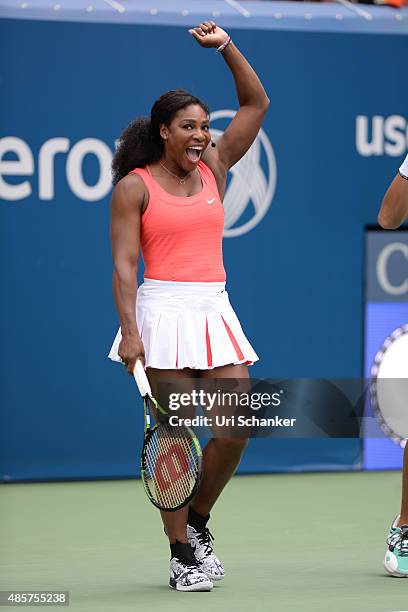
[{"x": 141, "y": 379}]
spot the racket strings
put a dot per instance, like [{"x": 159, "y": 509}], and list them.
[
  {"x": 169, "y": 461},
  {"x": 172, "y": 464},
  {"x": 170, "y": 479}
]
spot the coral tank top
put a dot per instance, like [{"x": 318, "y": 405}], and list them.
[{"x": 181, "y": 237}]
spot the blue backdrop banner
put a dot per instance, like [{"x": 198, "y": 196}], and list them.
[{"x": 296, "y": 208}]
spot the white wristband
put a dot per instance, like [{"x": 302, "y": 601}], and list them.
[
  {"x": 224, "y": 45},
  {"x": 403, "y": 169}
]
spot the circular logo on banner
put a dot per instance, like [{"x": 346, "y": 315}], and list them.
[
  {"x": 389, "y": 386},
  {"x": 248, "y": 184}
]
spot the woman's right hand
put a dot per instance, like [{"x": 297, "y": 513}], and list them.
[{"x": 130, "y": 350}]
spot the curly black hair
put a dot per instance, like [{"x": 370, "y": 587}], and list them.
[{"x": 140, "y": 142}]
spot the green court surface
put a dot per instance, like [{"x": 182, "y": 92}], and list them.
[{"x": 290, "y": 543}]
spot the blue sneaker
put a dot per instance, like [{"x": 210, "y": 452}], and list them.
[{"x": 396, "y": 557}]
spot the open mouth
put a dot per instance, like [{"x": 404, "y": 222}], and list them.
[{"x": 194, "y": 154}]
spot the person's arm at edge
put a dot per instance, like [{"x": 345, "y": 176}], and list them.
[
  {"x": 394, "y": 207},
  {"x": 126, "y": 207}
]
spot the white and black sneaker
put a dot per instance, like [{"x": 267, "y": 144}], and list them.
[
  {"x": 201, "y": 543},
  {"x": 185, "y": 576}
]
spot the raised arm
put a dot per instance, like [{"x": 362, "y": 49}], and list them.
[
  {"x": 394, "y": 207},
  {"x": 126, "y": 207},
  {"x": 252, "y": 98}
]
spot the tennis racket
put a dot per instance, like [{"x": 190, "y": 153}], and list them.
[{"x": 171, "y": 461}]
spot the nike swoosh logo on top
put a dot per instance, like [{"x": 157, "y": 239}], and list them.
[{"x": 210, "y": 200}]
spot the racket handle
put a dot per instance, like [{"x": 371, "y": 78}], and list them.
[{"x": 141, "y": 379}]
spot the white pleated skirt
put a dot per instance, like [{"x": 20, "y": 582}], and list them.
[{"x": 187, "y": 325}]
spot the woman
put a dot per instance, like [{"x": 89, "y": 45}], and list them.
[{"x": 168, "y": 200}]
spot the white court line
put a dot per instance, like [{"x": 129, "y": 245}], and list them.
[
  {"x": 115, "y": 5},
  {"x": 238, "y": 8},
  {"x": 355, "y": 9}
]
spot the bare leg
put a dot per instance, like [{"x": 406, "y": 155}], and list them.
[
  {"x": 221, "y": 456},
  {"x": 403, "y": 520},
  {"x": 175, "y": 523}
]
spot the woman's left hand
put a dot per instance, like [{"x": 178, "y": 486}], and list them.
[{"x": 208, "y": 34}]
